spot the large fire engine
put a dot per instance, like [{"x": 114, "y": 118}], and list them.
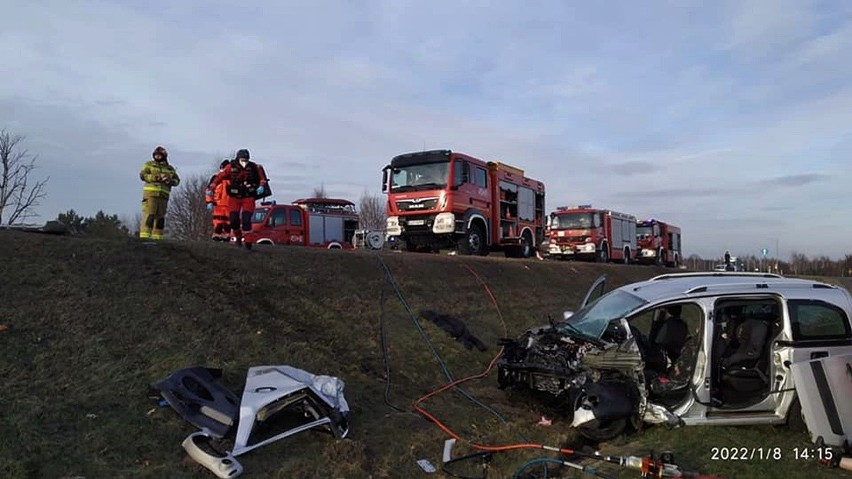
[
  {"x": 583, "y": 232},
  {"x": 320, "y": 222},
  {"x": 658, "y": 242},
  {"x": 445, "y": 198}
]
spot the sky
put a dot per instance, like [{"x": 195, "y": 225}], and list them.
[{"x": 731, "y": 119}]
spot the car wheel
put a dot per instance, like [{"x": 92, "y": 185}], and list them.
[{"x": 600, "y": 431}]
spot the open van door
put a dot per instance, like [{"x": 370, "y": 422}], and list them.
[
  {"x": 824, "y": 387},
  {"x": 595, "y": 292}
]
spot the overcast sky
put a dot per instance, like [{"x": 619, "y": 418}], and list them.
[{"x": 731, "y": 119}]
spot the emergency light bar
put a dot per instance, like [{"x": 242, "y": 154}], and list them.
[{"x": 575, "y": 207}]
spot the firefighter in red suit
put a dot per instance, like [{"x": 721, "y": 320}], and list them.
[
  {"x": 247, "y": 183},
  {"x": 218, "y": 197}
]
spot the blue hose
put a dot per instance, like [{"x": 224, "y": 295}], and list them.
[{"x": 425, "y": 337}]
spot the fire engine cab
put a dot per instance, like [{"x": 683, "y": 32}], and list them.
[
  {"x": 658, "y": 242},
  {"x": 445, "y": 198},
  {"x": 319, "y": 222},
  {"x": 583, "y": 232}
]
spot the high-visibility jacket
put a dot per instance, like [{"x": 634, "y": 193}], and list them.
[
  {"x": 159, "y": 177},
  {"x": 218, "y": 194}
]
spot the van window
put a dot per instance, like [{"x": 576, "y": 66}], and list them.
[
  {"x": 813, "y": 319},
  {"x": 295, "y": 217}
]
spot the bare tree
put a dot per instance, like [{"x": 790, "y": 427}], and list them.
[
  {"x": 372, "y": 211},
  {"x": 17, "y": 196},
  {"x": 187, "y": 217},
  {"x": 319, "y": 192}
]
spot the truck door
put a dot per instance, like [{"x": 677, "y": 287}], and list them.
[
  {"x": 296, "y": 234},
  {"x": 276, "y": 226},
  {"x": 471, "y": 183}
]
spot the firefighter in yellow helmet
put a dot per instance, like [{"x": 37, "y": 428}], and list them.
[{"x": 159, "y": 177}]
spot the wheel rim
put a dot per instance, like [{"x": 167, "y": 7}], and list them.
[{"x": 474, "y": 242}]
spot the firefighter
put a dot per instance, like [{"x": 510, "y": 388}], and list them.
[
  {"x": 159, "y": 177},
  {"x": 247, "y": 182},
  {"x": 217, "y": 202}
]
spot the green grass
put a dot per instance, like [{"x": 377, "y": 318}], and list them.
[{"x": 91, "y": 323}]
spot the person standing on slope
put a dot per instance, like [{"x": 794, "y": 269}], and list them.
[
  {"x": 217, "y": 202},
  {"x": 247, "y": 183},
  {"x": 159, "y": 177}
]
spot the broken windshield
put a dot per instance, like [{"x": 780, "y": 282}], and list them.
[
  {"x": 425, "y": 176},
  {"x": 592, "y": 320}
]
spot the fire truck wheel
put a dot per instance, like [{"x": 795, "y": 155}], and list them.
[
  {"x": 603, "y": 255},
  {"x": 661, "y": 258},
  {"x": 472, "y": 243}
]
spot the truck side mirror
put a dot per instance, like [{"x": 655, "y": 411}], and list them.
[{"x": 385, "y": 180}]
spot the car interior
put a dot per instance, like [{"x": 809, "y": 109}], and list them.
[
  {"x": 669, "y": 339},
  {"x": 743, "y": 334}
]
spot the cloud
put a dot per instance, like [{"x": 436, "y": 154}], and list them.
[{"x": 796, "y": 180}]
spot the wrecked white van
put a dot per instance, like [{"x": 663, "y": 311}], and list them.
[{"x": 695, "y": 348}]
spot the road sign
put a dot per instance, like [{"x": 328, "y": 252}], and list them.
[{"x": 764, "y": 251}]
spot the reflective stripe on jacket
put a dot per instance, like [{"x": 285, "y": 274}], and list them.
[{"x": 159, "y": 177}]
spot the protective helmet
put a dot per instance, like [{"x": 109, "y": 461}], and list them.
[
  {"x": 243, "y": 154},
  {"x": 224, "y": 164},
  {"x": 160, "y": 151}
]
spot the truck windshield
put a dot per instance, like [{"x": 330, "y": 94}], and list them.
[
  {"x": 426, "y": 176},
  {"x": 592, "y": 320},
  {"x": 643, "y": 231},
  {"x": 566, "y": 221},
  {"x": 259, "y": 215}
]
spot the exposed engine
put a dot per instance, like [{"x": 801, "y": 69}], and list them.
[{"x": 543, "y": 360}]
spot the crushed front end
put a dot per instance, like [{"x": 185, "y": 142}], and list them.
[{"x": 598, "y": 385}]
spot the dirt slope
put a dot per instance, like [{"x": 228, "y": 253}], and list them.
[{"x": 91, "y": 323}]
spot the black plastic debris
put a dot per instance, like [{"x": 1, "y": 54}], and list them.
[
  {"x": 196, "y": 394},
  {"x": 455, "y": 328}
]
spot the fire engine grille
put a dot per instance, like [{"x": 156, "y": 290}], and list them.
[
  {"x": 417, "y": 205},
  {"x": 571, "y": 239}
]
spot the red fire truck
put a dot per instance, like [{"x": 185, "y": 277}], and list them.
[
  {"x": 658, "y": 242},
  {"x": 320, "y": 222},
  {"x": 583, "y": 232},
  {"x": 444, "y": 198}
]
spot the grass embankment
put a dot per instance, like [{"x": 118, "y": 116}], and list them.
[{"x": 91, "y": 323}]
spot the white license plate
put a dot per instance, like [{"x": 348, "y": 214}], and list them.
[{"x": 417, "y": 222}]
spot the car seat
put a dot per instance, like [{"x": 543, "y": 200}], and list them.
[
  {"x": 671, "y": 337},
  {"x": 744, "y": 370}
]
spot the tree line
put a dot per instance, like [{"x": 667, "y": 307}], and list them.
[{"x": 799, "y": 264}]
